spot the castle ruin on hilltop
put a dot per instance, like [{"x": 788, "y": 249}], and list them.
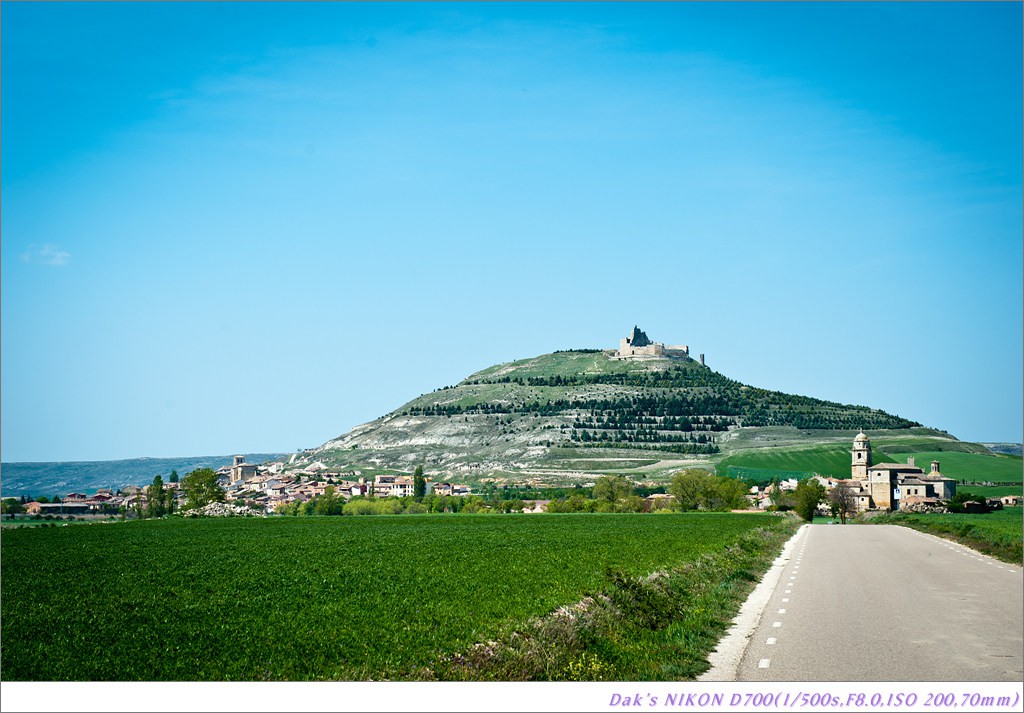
[{"x": 638, "y": 346}]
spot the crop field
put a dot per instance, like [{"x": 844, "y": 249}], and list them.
[
  {"x": 974, "y": 467},
  {"x": 600, "y": 464},
  {"x": 990, "y": 491},
  {"x": 764, "y": 474},
  {"x": 361, "y": 598},
  {"x": 829, "y": 459},
  {"x": 999, "y": 533},
  {"x": 834, "y": 459}
]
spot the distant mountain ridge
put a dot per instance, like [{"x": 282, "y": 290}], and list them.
[{"x": 62, "y": 477}]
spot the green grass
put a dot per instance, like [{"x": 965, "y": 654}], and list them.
[
  {"x": 602, "y": 464},
  {"x": 829, "y": 459},
  {"x": 765, "y": 474},
  {"x": 28, "y": 521},
  {"x": 561, "y": 364},
  {"x": 352, "y": 598},
  {"x": 998, "y": 533},
  {"x": 973, "y": 467},
  {"x": 834, "y": 459},
  {"x": 990, "y": 491},
  {"x": 899, "y": 445}
]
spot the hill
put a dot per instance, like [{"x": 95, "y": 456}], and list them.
[{"x": 570, "y": 416}]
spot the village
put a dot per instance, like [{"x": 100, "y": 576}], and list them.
[
  {"x": 263, "y": 489},
  {"x": 258, "y": 488}
]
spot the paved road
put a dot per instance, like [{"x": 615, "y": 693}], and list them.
[{"x": 887, "y": 603}]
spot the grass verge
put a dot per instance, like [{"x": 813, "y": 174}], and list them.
[{"x": 996, "y": 533}]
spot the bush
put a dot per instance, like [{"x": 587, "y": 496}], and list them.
[{"x": 650, "y": 602}]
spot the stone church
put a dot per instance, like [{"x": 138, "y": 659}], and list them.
[{"x": 892, "y": 486}]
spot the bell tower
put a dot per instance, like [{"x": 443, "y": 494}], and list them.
[{"x": 861, "y": 457}]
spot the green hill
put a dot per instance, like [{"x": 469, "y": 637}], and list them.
[{"x": 570, "y": 416}]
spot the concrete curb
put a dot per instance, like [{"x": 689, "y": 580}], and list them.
[{"x": 725, "y": 659}]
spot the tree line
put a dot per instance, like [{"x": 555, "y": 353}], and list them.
[{"x": 727, "y": 404}]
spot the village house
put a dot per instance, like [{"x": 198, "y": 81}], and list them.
[
  {"x": 405, "y": 486},
  {"x": 63, "y": 508},
  {"x": 361, "y": 488},
  {"x": 449, "y": 489},
  {"x": 398, "y": 486},
  {"x": 659, "y": 501},
  {"x": 827, "y": 481},
  {"x": 761, "y": 498}
]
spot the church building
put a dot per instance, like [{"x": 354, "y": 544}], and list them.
[{"x": 890, "y": 486}]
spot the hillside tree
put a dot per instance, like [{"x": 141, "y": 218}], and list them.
[
  {"x": 781, "y": 499},
  {"x": 419, "y": 484},
  {"x": 11, "y": 506},
  {"x": 201, "y": 488},
  {"x": 612, "y": 488},
  {"x": 170, "y": 495},
  {"x": 808, "y": 494},
  {"x": 842, "y": 501},
  {"x": 695, "y": 489},
  {"x": 156, "y": 500},
  {"x": 329, "y": 503},
  {"x": 686, "y": 487},
  {"x": 724, "y": 493}
]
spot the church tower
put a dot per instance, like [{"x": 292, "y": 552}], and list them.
[{"x": 861, "y": 457}]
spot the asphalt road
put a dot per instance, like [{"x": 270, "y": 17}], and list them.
[{"x": 887, "y": 603}]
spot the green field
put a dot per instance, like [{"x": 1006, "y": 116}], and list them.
[
  {"x": 973, "y": 467},
  {"x": 999, "y": 533},
  {"x": 765, "y": 463},
  {"x": 834, "y": 460},
  {"x": 562, "y": 364},
  {"x": 365, "y": 598},
  {"x": 762, "y": 475},
  {"x": 990, "y": 491}
]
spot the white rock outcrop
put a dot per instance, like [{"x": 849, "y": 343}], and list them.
[{"x": 223, "y": 510}]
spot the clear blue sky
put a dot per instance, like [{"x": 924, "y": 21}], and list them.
[{"x": 251, "y": 227}]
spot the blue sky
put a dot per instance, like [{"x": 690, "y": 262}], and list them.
[{"x": 251, "y": 227}]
